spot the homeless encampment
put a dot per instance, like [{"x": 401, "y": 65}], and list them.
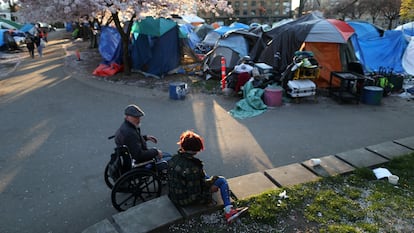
[
  {"x": 154, "y": 48},
  {"x": 328, "y": 39}
]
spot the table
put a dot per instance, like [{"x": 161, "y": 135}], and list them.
[{"x": 350, "y": 88}]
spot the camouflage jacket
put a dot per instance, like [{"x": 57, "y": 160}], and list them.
[{"x": 187, "y": 180}]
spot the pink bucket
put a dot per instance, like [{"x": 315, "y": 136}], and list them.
[{"x": 273, "y": 96}]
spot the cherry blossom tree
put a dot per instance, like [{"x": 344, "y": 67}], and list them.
[{"x": 120, "y": 13}]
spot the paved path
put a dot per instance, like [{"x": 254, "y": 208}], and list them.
[{"x": 54, "y": 126}]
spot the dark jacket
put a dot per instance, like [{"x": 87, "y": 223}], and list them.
[
  {"x": 129, "y": 135},
  {"x": 29, "y": 42},
  {"x": 187, "y": 180}
]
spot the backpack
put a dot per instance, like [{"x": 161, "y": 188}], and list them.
[{"x": 120, "y": 163}]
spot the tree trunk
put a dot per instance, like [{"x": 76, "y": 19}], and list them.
[
  {"x": 125, "y": 55},
  {"x": 126, "y": 59},
  {"x": 390, "y": 24}
]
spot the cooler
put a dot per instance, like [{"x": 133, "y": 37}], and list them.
[
  {"x": 301, "y": 88},
  {"x": 178, "y": 90},
  {"x": 263, "y": 68}
]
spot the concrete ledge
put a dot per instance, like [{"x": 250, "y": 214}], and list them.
[
  {"x": 148, "y": 216},
  {"x": 103, "y": 226},
  {"x": 330, "y": 166},
  {"x": 191, "y": 210},
  {"x": 251, "y": 184},
  {"x": 361, "y": 158},
  {"x": 290, "y": 175},
  {"x": 389, "y": 150},
  {"x": 407, "y": 142}
]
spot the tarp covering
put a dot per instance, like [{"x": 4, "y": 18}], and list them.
[
  {"x": 277, "y": 46},
  {"x": 407, "y": 28},
  {"x": 190, "y": 35},
  {"x": 28, "y": 28},
  {"x": 365, "y": 30},
  {"x": 110, "y": 48},
  {"x": 408, "y": 58},
  {"x": 251, "y": 105},
  {"x": 384, "y": 52},
  {"x": 110, "y": 45}
]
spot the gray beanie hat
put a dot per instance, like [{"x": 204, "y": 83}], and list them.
[{"x": 134, "y": 110}]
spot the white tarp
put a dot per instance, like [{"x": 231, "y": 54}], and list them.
[
  {"x": 408, "y": 58},
  {"x": 193, "y": 19}
]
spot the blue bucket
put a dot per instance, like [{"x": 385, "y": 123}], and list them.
[
  {"x": 372, "y": 95},
  {"x": 178, "y": 90}
]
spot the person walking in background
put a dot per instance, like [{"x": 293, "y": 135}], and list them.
[
  {"x": 38, "y": 40},
  {"x": 30, "y": 44},
  {"x": 39, "y": 44},
  {"x": 188, "y": 183}
]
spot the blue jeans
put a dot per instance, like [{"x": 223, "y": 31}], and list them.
[
  {"x": 221, "y": 183},
  {"x": 162, "y": 163}
]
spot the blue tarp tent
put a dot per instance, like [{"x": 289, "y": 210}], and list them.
[
  {"x": 383, "y": 52},
  {"x": 155, "y": 46},
  {"x": 364, "y": 31},
  {"x": 110, "y": 45},
  {"x": 110, "y": 48}
]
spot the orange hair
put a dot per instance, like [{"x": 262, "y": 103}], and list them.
[{"x": 191, "y": 142}]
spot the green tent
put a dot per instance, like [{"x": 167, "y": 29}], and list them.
[
  {"x": 153, "y": 27},
  {"x": 10, "y": 24}
]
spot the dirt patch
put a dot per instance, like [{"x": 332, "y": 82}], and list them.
[{"x": 91, "y": 58}]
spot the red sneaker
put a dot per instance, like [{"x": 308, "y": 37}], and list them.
[{"x": 234, "y": 214}]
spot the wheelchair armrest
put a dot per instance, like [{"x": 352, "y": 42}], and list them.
[{"x": 144, "y": 163}]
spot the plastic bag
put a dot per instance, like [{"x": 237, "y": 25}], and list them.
[{"x": 42, "y": 43}]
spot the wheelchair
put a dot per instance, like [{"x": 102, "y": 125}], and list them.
[{"x": 131, "y": 183}]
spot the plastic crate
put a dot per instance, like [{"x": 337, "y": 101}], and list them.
[{"x": 306, "y": 73}]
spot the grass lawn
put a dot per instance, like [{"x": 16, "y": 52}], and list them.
[{"x": 357, "y": 202}]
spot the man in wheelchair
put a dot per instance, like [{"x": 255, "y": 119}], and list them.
[{"x": 129, "y": 134}]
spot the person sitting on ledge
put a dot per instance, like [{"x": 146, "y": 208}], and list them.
[{"x": 187, "y": 181}]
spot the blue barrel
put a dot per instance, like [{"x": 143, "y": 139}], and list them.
[
  {"x": 178, "y": 90},
  {"x": 372, "y": 95}
]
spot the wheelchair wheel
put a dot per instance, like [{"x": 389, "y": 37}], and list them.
[
  {"x": 108, "y": 180},
  {"x": 135, "y": 187}
]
